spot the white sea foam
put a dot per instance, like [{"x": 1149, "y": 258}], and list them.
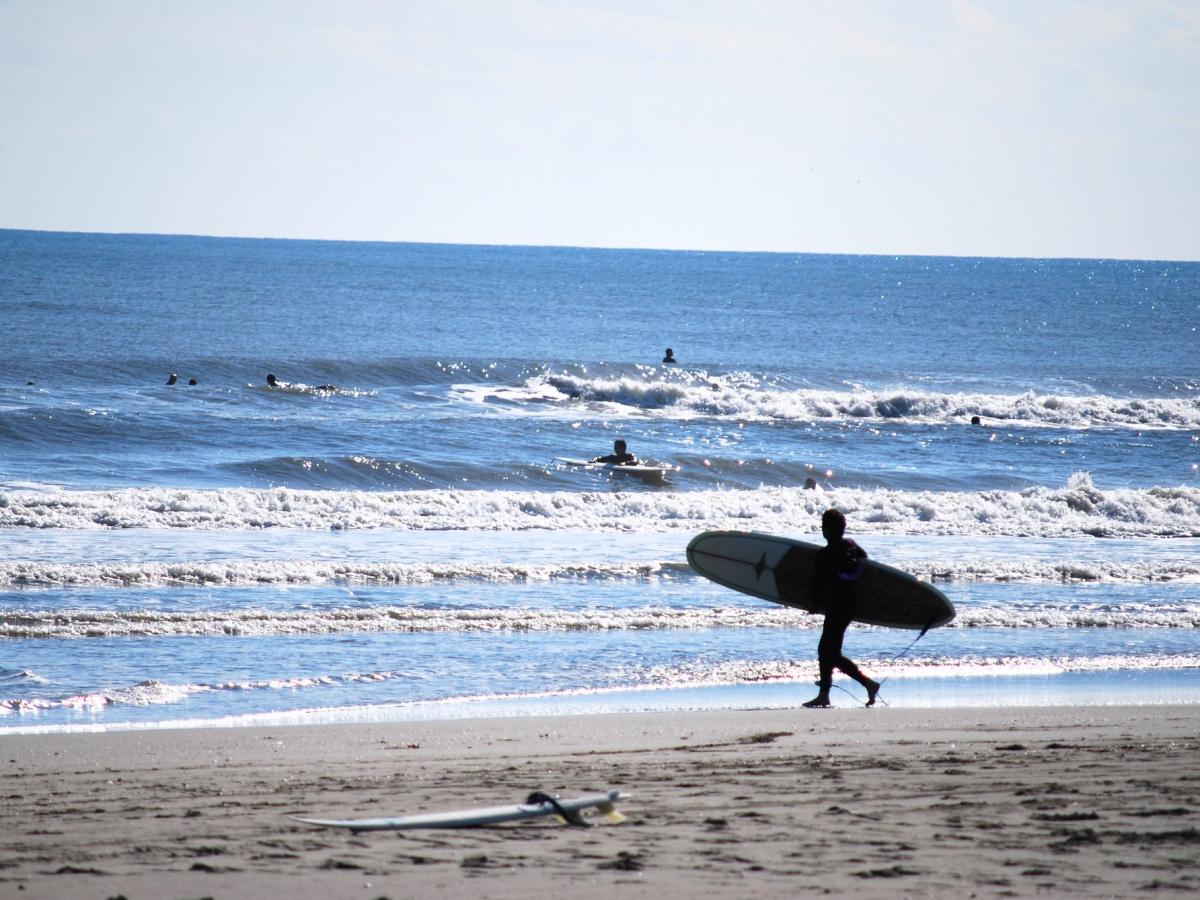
[
  {"x": 153, "y": 693},
  {"x": 688, "y": 674},
  {"x": 234, "y": 573},
  {"x": 747, "y": 672},
  {"x": 291, "y": 572},
  {"x": 1078, "y": 508},
  {"x": 79, "y": 623}
]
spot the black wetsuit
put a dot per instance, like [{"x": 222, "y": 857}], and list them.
[
  {"x": 619, "y": 459},
  {"x": 838, "y": 563}
]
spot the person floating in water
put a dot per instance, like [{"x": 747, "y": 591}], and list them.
[
  {"x": 620, "y": 456},
  {"x": 173, "y": 379},
  {"x": 669, "y": 359},
  {"x": 839, "y": 562},
  {"x": 273, "y": 382}
]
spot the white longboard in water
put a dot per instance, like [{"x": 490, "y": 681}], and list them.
[
  {"x": 640, "y": 470},
  {"x": 537, "y": 804}
]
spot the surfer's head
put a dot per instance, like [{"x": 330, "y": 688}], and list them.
[
  {"x": 618, "y": 446},
  {"x": 271, "y": 380},
  {"x": 833, "y": 525}
]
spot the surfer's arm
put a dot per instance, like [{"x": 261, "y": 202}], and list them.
[{"x": 854, "y": 562}]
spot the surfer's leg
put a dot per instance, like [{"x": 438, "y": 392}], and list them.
[
  {"x": 818, "y": 702},
  {"x": 845, "y": 664},
  {"x": 828, "y": 650},
  {"x": 822, "y": 698},
  {"x": 872, "y": 687}
]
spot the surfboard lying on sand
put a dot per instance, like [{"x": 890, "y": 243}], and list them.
[
  {"x": 780, "y": 569},
  {"x": 641, "y": 470},
  {"x": 537, "y": 804}
]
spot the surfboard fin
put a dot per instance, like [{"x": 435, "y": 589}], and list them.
[
  {"x": 610, "y": 812},
  {"x": 563, "y": 816}
]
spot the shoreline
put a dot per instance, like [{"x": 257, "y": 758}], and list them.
[
  {"x": 1152, "y": 686},
  {"x": 1006, "y": 801}
]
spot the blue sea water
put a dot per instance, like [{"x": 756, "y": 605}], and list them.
[{"x": 389, "y": 535}]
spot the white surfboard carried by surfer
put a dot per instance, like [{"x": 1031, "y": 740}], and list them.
[
  {"x": 644, "y": 471},
  {"x": 536, "y": 805},
  {"x": 780, "y": 569}
]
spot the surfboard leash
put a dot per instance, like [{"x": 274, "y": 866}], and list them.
[
  {"x": 911, "y": 644},
  {"x": 883, "y": 680}
]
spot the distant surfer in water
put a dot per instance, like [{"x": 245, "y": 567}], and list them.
[
  {"x": 839, "y": 562},
  {"x": 620, "y": 456},
  {"x": 273, "y": 382},
  {"x": 669, "y": 359},
  {"x": 173, "y": 379}
]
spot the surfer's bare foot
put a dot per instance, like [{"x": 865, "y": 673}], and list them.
[
  {"x": 872, "y": 691},
  {"x": 821, "y": 701}
]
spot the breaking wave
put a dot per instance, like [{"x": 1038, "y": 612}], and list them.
[
  {"x": 752, "y": 398},
  {"x": 1075, "y": 509}
]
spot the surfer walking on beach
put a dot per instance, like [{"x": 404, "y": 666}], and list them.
[
  {"x": 620, "y": 456},
  {"x": 839, "y": 562}
]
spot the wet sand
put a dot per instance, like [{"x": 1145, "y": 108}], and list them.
[{"x": 1079, "y": 801}]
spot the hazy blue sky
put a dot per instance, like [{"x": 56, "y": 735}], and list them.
[{"x": 975, "y": 128}]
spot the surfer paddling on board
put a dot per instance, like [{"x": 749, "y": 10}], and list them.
[
  {"x": 839, "y": 562},
  {"x": 620, "y": 456},
  {"x": 273, "y": 382}
]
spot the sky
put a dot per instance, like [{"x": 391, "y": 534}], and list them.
[{"x": 1046, "y": 128}]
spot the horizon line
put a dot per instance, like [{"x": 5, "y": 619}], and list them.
[{"x": 911, "y": 254}]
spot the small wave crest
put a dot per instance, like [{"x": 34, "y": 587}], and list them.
[
  {"x": 408, "y": 619},
  {"x": 262, "y": 572},
  {"x": 234, "y": 573},
  {"x": 154, "y": 693}
]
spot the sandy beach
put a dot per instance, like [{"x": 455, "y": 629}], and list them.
[{"x": 1080, "y": 801}]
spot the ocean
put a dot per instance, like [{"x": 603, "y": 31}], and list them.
[{"x": 388, "y": 535}]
